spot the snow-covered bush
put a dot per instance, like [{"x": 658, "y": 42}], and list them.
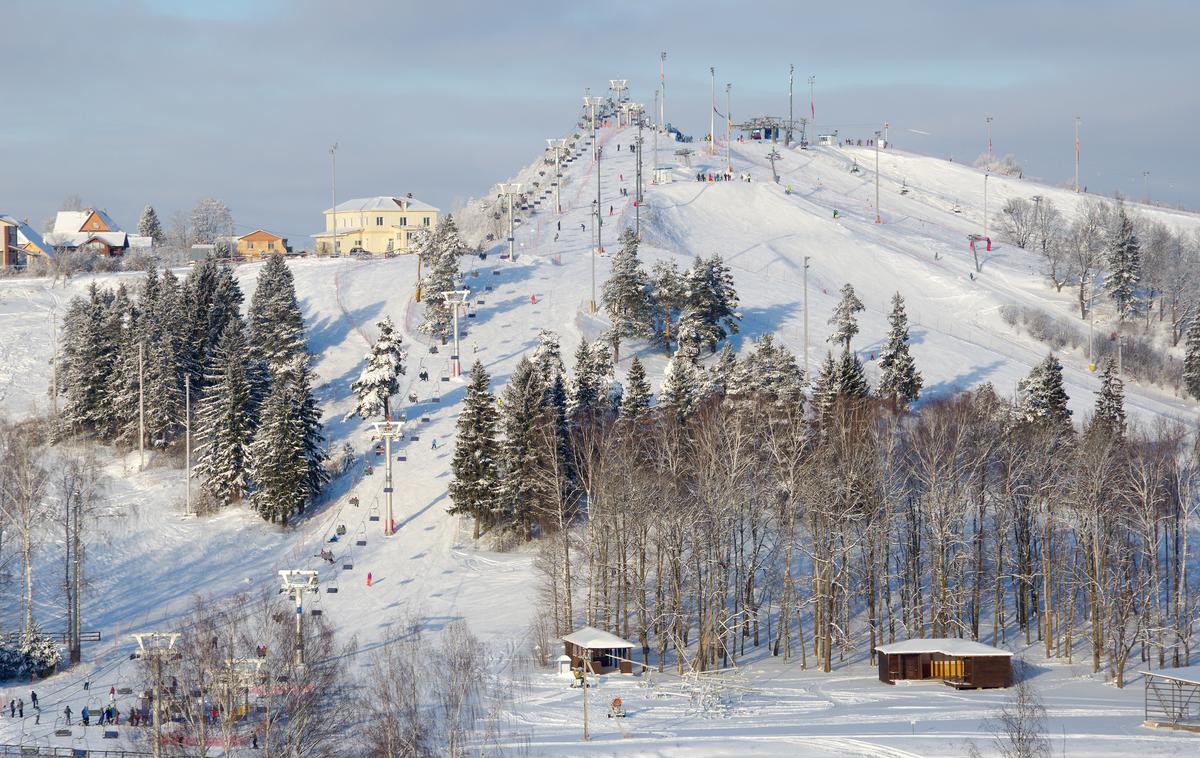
[
  {"x": 40, "y": 655},
  {"x": 1006, "y": 166}
]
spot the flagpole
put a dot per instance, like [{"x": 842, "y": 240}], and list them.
[
  {"x": 1077, "y": 153},
  {"x": 712, "y": 116}
]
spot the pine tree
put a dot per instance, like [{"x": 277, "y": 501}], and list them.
[
  {"x": 850, "y": 379},
  {"x": 843, "y": 320},
  {"x": 475, "y": 486},
  {"x": 278, "y": 466},
  {"x": 223, "y": 423},
  {"x": 149, "y": 225},
  {"x": 380, "y": 378},
  {"x": 1191, "y": 361},
  {"x": 590, "y": 396},
  {"x": 825, "y": 390},
  {"x": 1124, "y": 264},
  {"x": 524, "y": 413},
  {"x": 624, "y": 296},
  {"x": 668, "y": 295},
  {"x": 899, "y": 379},
  {"x": 275, "y": 328},
  {"x": 1042, "y": 400},
  {"x": 547, "y": 357},
  {"x": 443, "y": 250},
  {"x": 1109, "y": 415},
  {"x": 727, "y": 375},
  {"x": 199, "y": 294},
  {"x": 162, "y": 329},
  {"x": 683, "y": 385},
  {"x": 635, "y": 402},
  {"x": 711, "y": 312}
]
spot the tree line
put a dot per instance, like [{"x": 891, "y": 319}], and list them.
[{"x": 129, "y": 363}]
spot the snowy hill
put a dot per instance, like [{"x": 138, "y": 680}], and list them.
[{"x": 763, "y": 231}]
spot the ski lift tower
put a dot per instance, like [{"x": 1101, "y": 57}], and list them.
[
  {"x": 511, "y": 189},
  {"x": 618, "y": 86},
  {"x": 456, "y": 299},
  {"x": 558, "y": 146},
  {"x": 239, "y": 674},
  {"x": 295, "y": 583},
  {"x": 155, "y": 646},
  {"x": 593, "y": 102},
  {"x": 387, "y": 431}
]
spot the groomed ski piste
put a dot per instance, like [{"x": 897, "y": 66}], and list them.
[{"x": 149, "y": 562}]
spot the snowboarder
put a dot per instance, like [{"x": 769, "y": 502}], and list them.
[
  {"x": 67, "y": 713},
  {"x": 583, "y": 227},
  {"x": 433, "y": 444}
]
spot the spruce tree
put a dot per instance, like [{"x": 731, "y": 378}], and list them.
[
  {"x": 524, "y": 414},
  {"x": 441, "y": 258},
  {"x": 162, "y": 329},
  {"x": 122, "y": 391},
  {"x": 1124, "y": 267},
  {"x": 278, "y": 466},
  {"x": 1191, "y": 361},
  {"x": 275, "y": 328},
  {"x": 625, "y": 296},
  {"x": 380, "y": 378},
  {"x": 118, "y": 325},
  {"x": 710, "y": 314},
  {"x": 683, "y": 384},
  {"x": 899, "y": 379},
  {"x": 825, "y": 389},
  {"x": 851, "y": 380},
  {"x": 1042, "y": 400},
  {"x": 1109, "y": 414},
  {"x": 727, "y": 375},
  {"x": 85, "y": 361},
  {"x": 547, "y": 357},
  {"x": 668, "y": 296},
  {"x": 223, "y": 421},
  {"x": 149, "y": 225},
  {"x": 843, "y": 320},
  {"x": 590, "y": 397},
  {"x": 635, "y": 402},
  {"x": 199, "y": 294},
  {"x": 475, "y": 486}
]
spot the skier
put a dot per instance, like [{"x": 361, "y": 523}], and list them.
[
  {"x": 610, "y": 210},
  {"x": 583, "y": 227},
  {"x": 33, "y": 698},
  {"x": 12, "y": 708},
  {"x": 559, "y": 226},
  {"x": 835, "y": 213},
  {"x": 433, "y": 445},
  {"x": 67, "y": 713},
  {"x": 533, "y": 299},
  {"x": 368, "y": 578},
  {"x": 556, "y": 236},
  {"x": 21, "y": 708},
  {"x": 86, "y": 715}
]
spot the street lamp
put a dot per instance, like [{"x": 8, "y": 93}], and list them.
[{"x": 510, "y": 189}]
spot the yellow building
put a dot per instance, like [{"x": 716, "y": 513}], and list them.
[
  {"x": 260, "y": 242},
  {"x": 375, "y": 225}
]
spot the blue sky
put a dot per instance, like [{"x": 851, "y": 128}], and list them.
[{"x": 128, "y": 102}]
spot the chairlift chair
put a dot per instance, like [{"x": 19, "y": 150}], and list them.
[
  {"x": 412, "y": 397},
  {"x": 361, "y": 540},
  {"x": 374, "y": 515}
]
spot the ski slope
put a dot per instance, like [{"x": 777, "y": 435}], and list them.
[{"x": 147, "y": 566}]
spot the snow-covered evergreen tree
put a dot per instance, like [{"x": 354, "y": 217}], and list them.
[
  {"x": 590, "y": 395},
  {"x": 625, "y": 297},
  {"x": 1042, "y": 400},
  {"x": 199, "y": 294},
  {"x": 668, "y": 295},
  {"x": 825, "y": 389},
  {"x": 899, "y": 379},
  {"x": 380, "y": 378},
  {"x": 851, "y": 380},
  {"x": 635, "y": 402},
  {"x": 1109, "y": 415},
  {"x": 121, "y": 397},
  {"x": 524, "y": 414},
  {"x": 843, "y": 320},
  {"x": 223, "y": 420},
  {"x": 441, "y": 273},
  {"x": 547, "y": 357},
  {"x": 40, "y": 654},
  {"x": 85, "y": 360},
  {"x": 726, "y": 375},
  {"x": 1191, "y": 361},
  {"x": 162, "y": 328},
  {"x": 118, "y": 325},
  {"x": 684, "y": 383},
  {"x": 278, "y": 466},
  {"x": 275, "y": 328},
  {"x": 475, "y": 486},
  {"x": 149, "y": 225},
  {"x": 711, "y": 312},
  {"x": 226, "y": 305},
  {"x": 1124, "y": 267}
]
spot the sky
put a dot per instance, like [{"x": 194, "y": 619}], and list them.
[{"x": 129, "y": 102}]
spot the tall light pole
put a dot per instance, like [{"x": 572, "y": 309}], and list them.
[
  {"x": 878, "y": 218},
  {"x": 637, "y": 190},
  {"x": 985, "y": 199},
  {"x": 156, "y": 646},
  {"x": 712, "y": 114},
  {"x": 807, "y": 378},
  {"x": 511, "y": 189},
  {"x": 557, "y": 145},
  {"x": 812, "y": 102},
  {"x": 654, "y": 157},
  {"x": 1146, "y": 187},
  {"x": 456, "y": 299},
  {"x": 296, "y": 582},
  {"x": 387, "y": 431},
  {"x": 333, "y": 191},
  {"x": 1077, "y": 154},
  {"x": 662, "y": 79},
  {"x": 787, "y": 139},
  {"x": 729, "y": 127},
  {"x": 988, "y": 120}
]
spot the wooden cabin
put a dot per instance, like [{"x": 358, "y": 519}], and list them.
[
  {"x": 959, "y": 663},
  {"x": 604, "y": 653}
]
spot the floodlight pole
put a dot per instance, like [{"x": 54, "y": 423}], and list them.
[
  {"x": 729, "y": 127},
  {"x": 591, "y": 101},
  {"x": 155, "y": 645},
  {"x": 662, "y": 79},
  {"x": 988, "y": 120},
  {"x": 878, "y": 219},
  {"x": 787, "y": 139},
  {"x": 637, "y": 190},
  {"x": 654, "y": 157},
  {"x": 712, "y": 114},
  {"x": 333, "y": 190},
  {"x": 295, "y": 583},
  {"x": 1146, "y": 187},
  {"x": 1077, "y": 154},
  {"x": 387, "y": 431},
  {"x": 986, "y": 172},
  {"x": 806, "y": 375},
  {"x": 455, "y": 304},
  {"x": 812, "y": 102},
  {"x": 557, "y": 145}
]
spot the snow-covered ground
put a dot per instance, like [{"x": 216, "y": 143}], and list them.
[{"x": 148, "y": 566}]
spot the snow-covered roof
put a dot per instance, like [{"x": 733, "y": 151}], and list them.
[
  {"x": 1186, "y": 674},
  {"x": 383, "y": 203},
  {"x": 943, "y": 645},
  {"x": 592, "y": 638},
  {"x": 27, "y": 235},
  {"x": 73, "y": 221},
  {"x": 79, "y": 239}
]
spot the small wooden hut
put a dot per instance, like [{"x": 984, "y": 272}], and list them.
[
  {"x": 959, "y": 663},
  {"x": 604, "y": 653}
]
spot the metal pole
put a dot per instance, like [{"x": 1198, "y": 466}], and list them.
[
  {"x": 511, "y": 238},
  {"x": 712, "y": 115},
  {"x": 333, "y": 190},
  {"x": 728, "y": 127},
  {"x": 157, "y": 704},
  {"x": 985, "y": 208},
  {"x": 662, "y": 76},
  {"x": 54, "y": 363},
  {"x": 1077, "y": 153},
  {"x": 1146, "y": 187},
  {"x": 812, "y": 102},
  {"x": 187, "y": 444},
  {"x": 584, "y": 667},
  {"x": 988, "y": 119},
  {"x": 637, "y": 192},
  {"x": 387, "y": 479},
  {"x": 787, "y": 141},
  {"x": 298, "y": 595},
  {"x": 878, "y": 219},
  {"x": 806, "y": 374},
  {"x": 654, "y": 157},
  {"x": 141, "y": 406}
]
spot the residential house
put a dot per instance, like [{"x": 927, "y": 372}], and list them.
[
  {"x": 92, "y": 229},
  {"x": 19, "y": 241},
  {"x": 260, "y": 242},
  {"x": 375, "y": 225}
]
